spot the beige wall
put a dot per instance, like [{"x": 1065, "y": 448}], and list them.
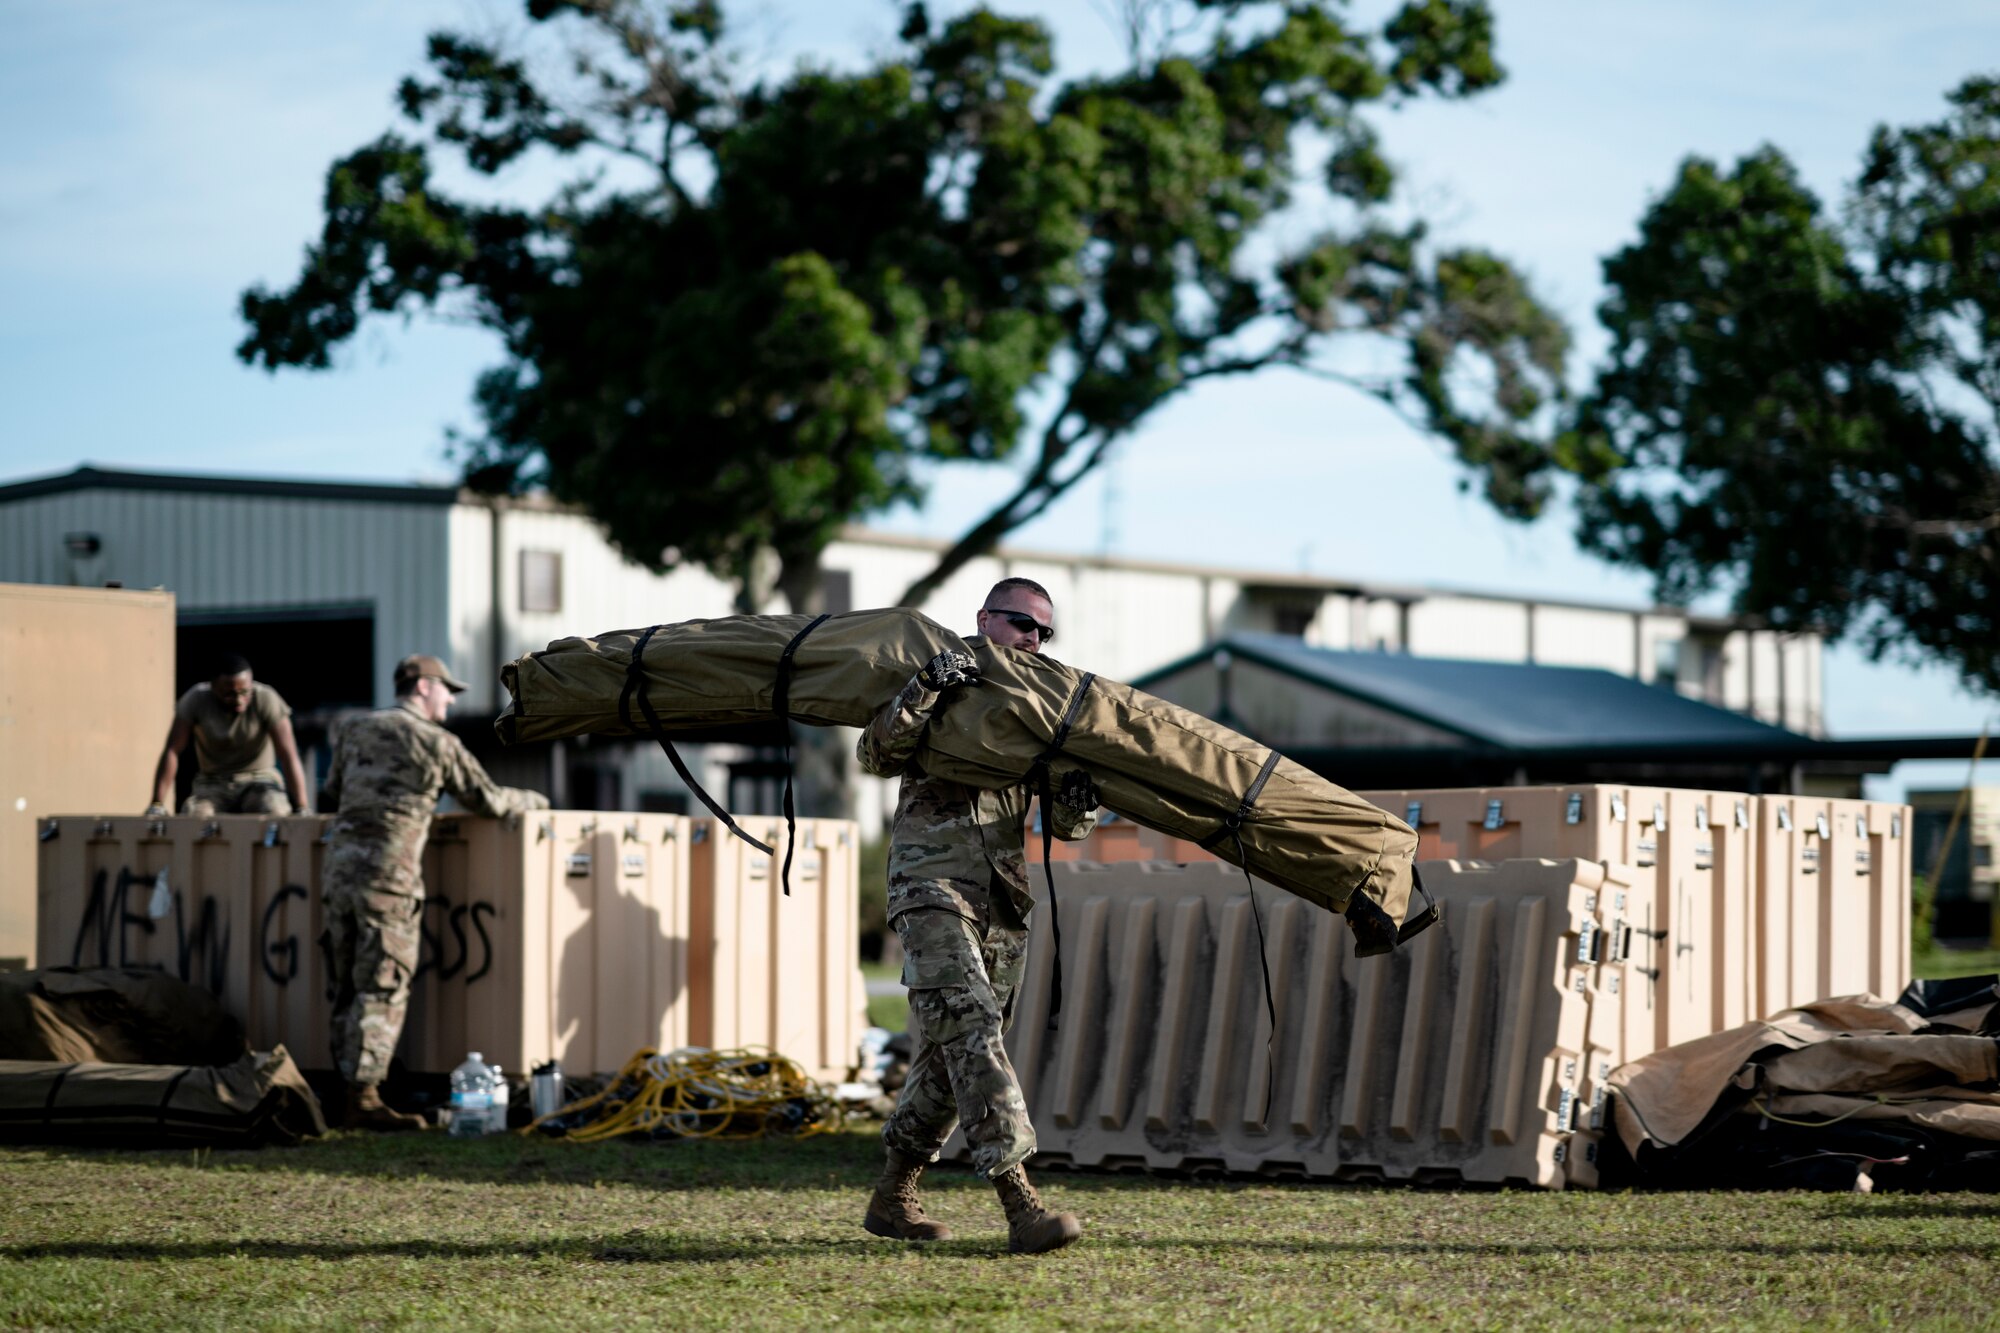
[{"x": 86, "y": 696}]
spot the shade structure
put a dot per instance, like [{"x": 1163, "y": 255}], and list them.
[{"x": 1154, "y": 763}]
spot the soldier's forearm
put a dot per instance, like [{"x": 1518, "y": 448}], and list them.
[
  {"x": 295, "y": 783},
  {"x": 163, "y": 777}
]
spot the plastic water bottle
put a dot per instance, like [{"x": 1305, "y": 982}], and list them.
[
  {"x": 472, "y": 1097},
  {"x": 496, "y": 1114}
]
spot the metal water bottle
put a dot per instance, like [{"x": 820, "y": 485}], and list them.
[{"x": 545, "y": 1089}]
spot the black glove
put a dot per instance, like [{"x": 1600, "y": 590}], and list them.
[
  {"x": 947, "y": 669},
  {"x": 1078, "y": 792}
]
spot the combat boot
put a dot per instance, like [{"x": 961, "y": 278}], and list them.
[
  {"x": 894, "y": 1210},
  {"x": 1032, "y": 1229},
  {"x": 367, "y": 1110}
]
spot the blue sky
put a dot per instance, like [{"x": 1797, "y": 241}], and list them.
[{"x": 164, "y": 155}]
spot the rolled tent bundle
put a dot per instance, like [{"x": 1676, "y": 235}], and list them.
[{"x": 1154, "y": 762}]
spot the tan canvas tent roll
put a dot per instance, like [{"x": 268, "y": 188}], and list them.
[{"x": 1154, "y": 763}]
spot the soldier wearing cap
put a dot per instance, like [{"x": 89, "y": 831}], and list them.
[
  {"x": 242, "y": 734},
  {"x": 388, "y": 769}
]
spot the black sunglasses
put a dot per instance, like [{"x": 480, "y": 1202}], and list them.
[{"x": 1024, "y": 623}]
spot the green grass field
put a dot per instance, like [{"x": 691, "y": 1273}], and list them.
[
  {"x": 1937, "y": 963},
  {"x": 424, "y": 1230}
]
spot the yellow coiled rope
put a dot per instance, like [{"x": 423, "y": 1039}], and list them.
[{"x": 695, "y": 1093}]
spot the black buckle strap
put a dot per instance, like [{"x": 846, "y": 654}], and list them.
[
  {"x": 1415, "y": 923},
  {"x": 1232, "y": 827},
  {"x": 1040, "y": 770},
  {"x": 781, "y": 693},
  {"x": 635, "y": 683}
]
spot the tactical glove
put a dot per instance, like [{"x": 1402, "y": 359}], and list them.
[
  {"x": 947, "y": 669},
  {"x": 1078, "y": 792}
]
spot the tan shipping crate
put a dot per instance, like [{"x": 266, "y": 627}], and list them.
[
  {"x": 1458, "y": 1058},
  {"x": 769, "y": 970},
  {"x": 86, "y": 697},
  {"x": 1695, "y": 845},
  {"x": 563, "y": 934}
]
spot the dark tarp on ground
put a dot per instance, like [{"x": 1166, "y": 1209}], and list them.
[
  {"x": 1845, "y": 1093},
  {"x": 120, "y": 1015},
  {"x": 1154, "y": 763},
  {"x": 261, "y": 1098}
]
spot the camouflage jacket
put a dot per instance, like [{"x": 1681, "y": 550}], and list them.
[
  {"x": 953, "y": 846},
  {"x": 388, "y": 770}
]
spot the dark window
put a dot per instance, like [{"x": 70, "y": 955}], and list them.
[
  {"x": 1293, "y": 620},
  {"x": 541, "y": 580}
]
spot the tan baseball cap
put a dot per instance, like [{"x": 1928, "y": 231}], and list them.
[{"x": 418, "y": 665}]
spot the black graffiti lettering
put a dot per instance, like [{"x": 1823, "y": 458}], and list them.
[
  {"x": 286, "y": 949},
  {"x": 485, "y": 940},
  {"x": 457, "y": 933},
  {"x": 210, "y": 940},
  {"x": 430, "y": 947},
  {"x": 326, "y": 958},
  {"x": 110, "y": 913}
]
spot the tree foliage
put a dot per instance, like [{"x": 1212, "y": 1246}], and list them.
[
  {"x": 1801, "y": 408},
  {"x": 755, "y": 306}
]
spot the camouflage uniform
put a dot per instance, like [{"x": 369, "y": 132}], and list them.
[
  {"x": 958, "y": 896},
  {"x": 387, "y": 771}
]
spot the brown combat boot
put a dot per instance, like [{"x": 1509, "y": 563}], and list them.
[
  {"x": 367, "y": 1110},
  {"x": 1032, "y": 1229},
  {"x": 894, "y": 1210}
]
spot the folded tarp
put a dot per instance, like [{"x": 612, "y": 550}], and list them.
[
  {"x": 1154, "y": 763},
  {"x": 1823, "y": 1096},
  {"x": 259, "y": 1099},
  {"x": 119, "y": 1015}
]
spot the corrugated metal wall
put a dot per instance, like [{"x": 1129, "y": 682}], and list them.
[{"x": 250, "y": 553}]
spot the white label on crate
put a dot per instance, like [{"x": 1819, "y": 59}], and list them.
[
  {"x": 1647, "y": 852},
  {"x": 1704, "y": 856},
  {"x": 1614, "y": 985},
  {"x": 635, "y": 864},
  {"x": 579, "y": 863}
]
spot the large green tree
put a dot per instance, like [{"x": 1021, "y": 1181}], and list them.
[
  {"x": 755, "y": 308},
  {"x": 1800, "y": 408}
]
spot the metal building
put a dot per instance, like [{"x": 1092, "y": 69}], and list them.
[{"x": 324, "y": 586}]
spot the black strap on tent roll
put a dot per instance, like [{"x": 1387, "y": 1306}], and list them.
[
  {"x": 635, "y": 683},
  {"x": 781, "y": 693},
  {"x": 1232, "y": 827},
  {"x": 1040, "y": 770}
]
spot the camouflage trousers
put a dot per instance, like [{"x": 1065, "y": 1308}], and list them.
[
  {"x": 373, "y": 938},
  {"x": 963, "y": 981},
  {"x": 237, "y": 796}
]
